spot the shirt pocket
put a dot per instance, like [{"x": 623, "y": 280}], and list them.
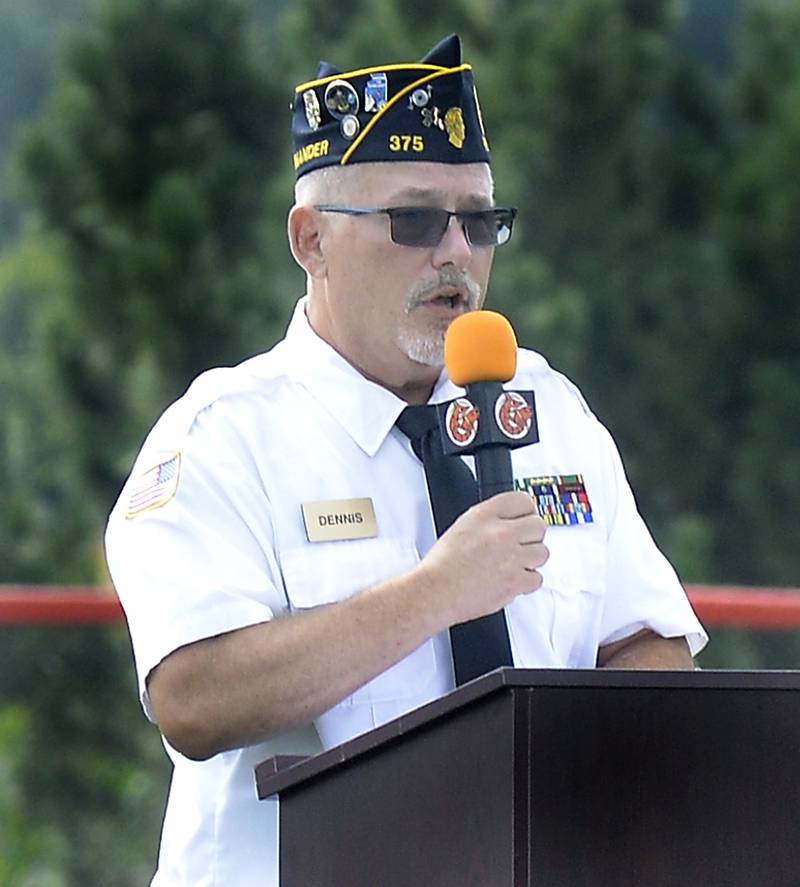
[
  {"x": 324, "y": 573},
  {"x": 574, "y": 578}
]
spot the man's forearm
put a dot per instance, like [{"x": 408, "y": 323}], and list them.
[{"x": 242, "y": 687}]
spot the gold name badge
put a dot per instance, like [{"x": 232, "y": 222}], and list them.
[{"x": 340, "y": 519}]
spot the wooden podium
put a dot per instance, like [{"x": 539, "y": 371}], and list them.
[{"x": 558, "y": 779}]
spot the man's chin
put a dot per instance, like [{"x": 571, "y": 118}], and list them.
[
  {"x": 424, "y": 352},
  {"x": 435, "y": 363}
]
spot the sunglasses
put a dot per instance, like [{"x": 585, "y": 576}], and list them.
[{"x": 426, "y": 225}]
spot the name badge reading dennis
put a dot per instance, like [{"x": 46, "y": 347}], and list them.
[{"x": 340, "y": 519}]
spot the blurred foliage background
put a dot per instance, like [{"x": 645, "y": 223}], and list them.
[{"x": 145, "y": 177}]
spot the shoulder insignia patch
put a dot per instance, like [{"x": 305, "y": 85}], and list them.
[{"x": 154, "y": 487}]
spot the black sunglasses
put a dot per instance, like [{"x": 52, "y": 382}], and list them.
[{"x": 426, "y": 225}]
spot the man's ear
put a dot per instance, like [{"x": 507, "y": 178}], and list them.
[{"x": 305, "y": 240}]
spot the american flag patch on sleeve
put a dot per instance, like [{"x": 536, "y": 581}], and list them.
[{"x": 155, "y": 487}]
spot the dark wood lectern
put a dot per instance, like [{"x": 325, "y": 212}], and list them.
[{"x": 558, "y": 779}]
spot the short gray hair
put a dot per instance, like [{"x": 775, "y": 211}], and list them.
[
  {"x": 329, "y": 184},
  {"x": 335, "y": 184}
]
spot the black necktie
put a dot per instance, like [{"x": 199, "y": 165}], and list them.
[{"x": 481, "y": 645}]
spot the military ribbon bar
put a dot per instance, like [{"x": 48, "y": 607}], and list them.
[{"x": 561, "y": 499}]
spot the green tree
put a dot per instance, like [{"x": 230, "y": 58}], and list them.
[
  {"x": 616, "y": 150},
  {"x": 41, "y": 454},
  {"x": 761, "y": 219},
  {"x": 144, "y": 260},
  {"x": 152, "y": 163},
  {"x": 27, "y": 37}
]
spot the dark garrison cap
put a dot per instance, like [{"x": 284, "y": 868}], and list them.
[{"x": 426, "y": 110}]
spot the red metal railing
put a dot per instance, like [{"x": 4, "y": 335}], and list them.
[
  {"x": 729, "y": 606},
  {"x": 716, "y": 606},
  {"x": 58, "y": 605}
]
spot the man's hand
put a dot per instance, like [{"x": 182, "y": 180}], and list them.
[{"x": 489, "y": 556}]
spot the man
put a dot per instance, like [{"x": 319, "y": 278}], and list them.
[{"x": 274, "y": 548}]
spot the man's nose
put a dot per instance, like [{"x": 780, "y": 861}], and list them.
[{"x": 454, "y": 248}]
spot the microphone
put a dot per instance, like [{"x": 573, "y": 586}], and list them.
[{"x": 480, "y": 353}]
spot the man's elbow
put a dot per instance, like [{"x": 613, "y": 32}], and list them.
[
  {"x": 187, "y": 736},
  {"x": 647, "y": 650},
  {"x": 180, "y": 715}
]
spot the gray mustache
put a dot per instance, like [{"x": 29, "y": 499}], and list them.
[{"x": 457, "y": 279}]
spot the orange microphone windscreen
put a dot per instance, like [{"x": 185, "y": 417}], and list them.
[{"x": 480, "y": 346}]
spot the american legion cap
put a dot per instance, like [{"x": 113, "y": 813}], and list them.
[{"x": 426, "y": 110}]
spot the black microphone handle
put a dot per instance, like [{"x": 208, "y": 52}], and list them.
[
  {"x": 492, "y": 460},
  {"x": 493, "y": 471}
]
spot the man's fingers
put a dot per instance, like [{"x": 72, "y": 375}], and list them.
[
  {"x": 536, "y": 553},
  {"x": 512, "y": 505},
  {"x": 536, "y": 581}
]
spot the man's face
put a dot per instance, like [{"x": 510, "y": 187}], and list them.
[{"x": 384, "y": 306}]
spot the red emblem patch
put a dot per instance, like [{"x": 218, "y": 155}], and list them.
[
  {"x": 461, "y": 421},
  {"x": 513, "y": 414}
]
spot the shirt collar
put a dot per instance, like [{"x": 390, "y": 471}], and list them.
[{"x": 366, "y": 410}]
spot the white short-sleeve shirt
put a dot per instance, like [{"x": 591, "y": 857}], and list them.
[{"x": 208, "y": 537}]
